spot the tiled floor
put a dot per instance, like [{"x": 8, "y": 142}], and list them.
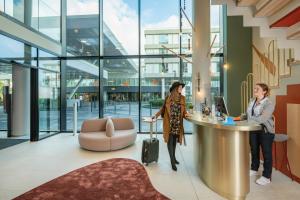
[{"x": 27, "y": 165}]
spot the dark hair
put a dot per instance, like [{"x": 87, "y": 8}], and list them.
[{"x": 265, "y": 88}]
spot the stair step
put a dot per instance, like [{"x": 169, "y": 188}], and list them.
[
  {"x": 285, "y": 76},
  {"x": 270, "y": 7},
  {"x": 247, "y": 2}
]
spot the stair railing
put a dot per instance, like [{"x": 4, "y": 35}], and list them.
[{"x": 246, "y": 91}]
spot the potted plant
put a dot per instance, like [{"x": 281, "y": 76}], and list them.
[{"x": 191, "y": 108}]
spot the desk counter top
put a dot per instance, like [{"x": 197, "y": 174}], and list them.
[{"x": 197, "y": 118}]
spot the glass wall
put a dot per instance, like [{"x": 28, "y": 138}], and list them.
[
  {"x": 5, "y": 84},
  {"x": 133, "y": 74},
  {"x": 121, "y": 88},
  {"x": 11, "y": 49},
  {"x": 14, "y": 8},
  {"x": 49, "y": 88},
  {"x": 157, "y": 74},
  {"x": 46, "y": 15},
  {"x": 49, "y": 94},
  {"x": 2, "y": 5},
  {"x": 82, "y": 86},
  {"x": 83, "y": 28},
  {"x": 120, "y": 27},
  {"x": 216, "y": 28},
  {"x": 159, "y": 26}
]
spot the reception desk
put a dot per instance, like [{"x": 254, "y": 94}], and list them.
[{"x": 222, "y": 155}]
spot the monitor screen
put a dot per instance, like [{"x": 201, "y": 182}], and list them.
[{"x": 221, "y": 105}]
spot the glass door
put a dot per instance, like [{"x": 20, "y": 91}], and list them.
[
  {"x": 49, "y": 102},
  {"x": 5, "y": 99}
]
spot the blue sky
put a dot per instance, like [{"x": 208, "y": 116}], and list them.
[{"x": 154, "y": 11}]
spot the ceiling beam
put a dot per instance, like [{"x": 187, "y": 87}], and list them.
[{"x": 266, "y": 8}]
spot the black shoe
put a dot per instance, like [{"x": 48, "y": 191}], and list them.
[
  {"x": 176, "y": 162},
  {"x": 174, "y": 167}
]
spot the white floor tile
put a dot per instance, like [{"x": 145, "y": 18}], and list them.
[{"x": 30, "y": 164}]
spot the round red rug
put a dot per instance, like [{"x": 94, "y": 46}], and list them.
[{"x": 117, "y": 178}]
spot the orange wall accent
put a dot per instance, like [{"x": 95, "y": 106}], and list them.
[{"x": 293, "y": 96}]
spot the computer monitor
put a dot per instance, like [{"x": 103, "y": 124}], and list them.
[{"x": 221, "y": 107}]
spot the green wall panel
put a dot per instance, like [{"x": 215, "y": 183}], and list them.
[{"x": 239, "y": 60}]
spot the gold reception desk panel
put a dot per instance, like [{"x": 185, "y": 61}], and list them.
[{"x": 221, "y": 155}]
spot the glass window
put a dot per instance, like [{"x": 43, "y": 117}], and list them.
[
  {"x": 83, "y": 28},
  {"x": 120, "y": 27},
  {"x": 121, "y": 97},
  {"x": 15, "y": 9},
  {"x": 6, "y": 82},
  {"x": 187, "y": 90},
  {"x": 82, "y": 80},
  {"x": 158, "y": 18},
  {"x": 186, "y": 35},
  {"x": 46, "y": 17},
  {"x": 2, "y": 5},
  {"x": 48, "y": 61},
  {"x": 10, "y": 48},
  {"x": 215, "y": 76},
  {"x": 216, "y": 28},
  {"x": 13, "y": 50},
  {"x": 149, "y": 39},
  {"x": 49, "y": 106},
  {"x": 173, "y": 39},
  {"x": 163, "y": 39},
  {"x": 155, "y": 87}
]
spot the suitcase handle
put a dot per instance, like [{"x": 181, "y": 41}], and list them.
[{"x": 151, "y": 129}]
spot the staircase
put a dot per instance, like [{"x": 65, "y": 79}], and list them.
[
  {"x": 278, "y": 22},
  {"x": 275, "y": 19}
]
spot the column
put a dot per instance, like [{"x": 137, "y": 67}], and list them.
[
  {"x": 201, "y": 44},
  {"x": 20, "y": 101},
  {"x": 63, "y": 68}
]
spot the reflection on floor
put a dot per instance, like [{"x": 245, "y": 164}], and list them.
[
  {"x": 3, "y": 134},
  {"x": 35, "y": 163}
]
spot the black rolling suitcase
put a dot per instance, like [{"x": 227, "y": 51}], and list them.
[{"x": 150, "y": 149}]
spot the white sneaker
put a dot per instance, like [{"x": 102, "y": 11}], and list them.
[
  {"x": 263, "y": 181},
  {"x": 253, "y": 173}
]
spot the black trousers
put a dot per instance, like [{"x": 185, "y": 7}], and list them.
[
  {"x": 172, "y": 147},
  {"x": 263, "y": 140}
]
